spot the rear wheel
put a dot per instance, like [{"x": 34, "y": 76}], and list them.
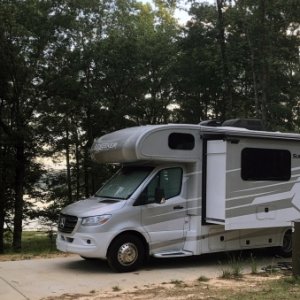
[
  {"x": 287, "y": 244},
  {"x": 126, "y": 253}
]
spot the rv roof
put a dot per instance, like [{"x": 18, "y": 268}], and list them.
[
  {"x": 242, "y": 132},
  {"x": 150, "y": 142}
]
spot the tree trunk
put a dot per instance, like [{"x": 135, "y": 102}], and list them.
[
  {"x": 90, "y": 137},
  {"x": 77, "y": 170},
  {"x": 2, "y": 218},
  {"x": 264, "y": 64},
  {"x": 256, "y": 99},
  {"x": 86, "y": 171},
  {"x": 2, "y": 200},
  {"x": 228, "y": 101},
  {"x": 69, "y": 180},
  {"x": 19, "y": 191}
]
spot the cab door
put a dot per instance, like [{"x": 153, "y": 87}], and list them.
[{"x": 164, "y": 210}]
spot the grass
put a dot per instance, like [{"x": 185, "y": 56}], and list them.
[
  {"x": 283, "y": 289},
  {"x": 116, "y": 288},
  {"x": 234, "y": 269},
  {"x": 203, "y": 279},
  {"x": 250, "y": 287},
  {"x": 34, "y": 243},
  {"x": 177, "y": 283},
  {"x": 253, "y": 264}
]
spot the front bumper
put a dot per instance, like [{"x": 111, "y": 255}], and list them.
[{"x": 94, "y": 246}]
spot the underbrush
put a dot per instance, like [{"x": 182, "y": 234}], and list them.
[
  {"x": 34, "y": 243},
  {"x": 286, "y": 288}
]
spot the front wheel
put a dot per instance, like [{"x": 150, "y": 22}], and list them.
[
  {"x": 126, "y": 253},
  {"x": 287, "y": 244}
]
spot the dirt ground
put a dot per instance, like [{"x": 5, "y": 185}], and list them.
[
  {"x": 69, "y": 277},
  {"x": 203, "y": 288}
]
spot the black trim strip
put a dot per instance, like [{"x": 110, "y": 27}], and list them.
[
  {"x": 204, "y": 179},
  {"x": 249, "y": 134},
  {"x": 215, "y": 220}
]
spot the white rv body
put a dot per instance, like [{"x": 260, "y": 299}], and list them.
[{"x": 221, "y": 189}]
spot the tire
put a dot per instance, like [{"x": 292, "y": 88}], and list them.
[
  {"x": 287, "y": 245},
  {"x": 126, "y": 253}
]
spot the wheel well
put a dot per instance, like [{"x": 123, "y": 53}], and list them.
[
  {"x": 285, "y": 248},
  {"x": 286, "y": 231},
  {"x": 134, "y": 233}
]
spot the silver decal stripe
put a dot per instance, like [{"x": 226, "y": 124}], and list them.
[
  {"x": 252, "y": 209},
  {"x": 255, "y": 188}
]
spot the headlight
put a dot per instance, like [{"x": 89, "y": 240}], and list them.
[{"x": 95, "y": 220}]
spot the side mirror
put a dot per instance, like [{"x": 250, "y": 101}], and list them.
[{"x": 160, "y": 196}]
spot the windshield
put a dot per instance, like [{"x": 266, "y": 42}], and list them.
[{"x": 124, "y": 182}]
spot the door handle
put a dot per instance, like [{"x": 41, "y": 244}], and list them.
[{"x": 178, "y": 207}]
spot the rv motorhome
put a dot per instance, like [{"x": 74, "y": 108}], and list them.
[{"x": 186, "y": 190}]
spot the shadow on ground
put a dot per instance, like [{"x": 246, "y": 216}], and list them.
[{"x": 213, "y": 259}]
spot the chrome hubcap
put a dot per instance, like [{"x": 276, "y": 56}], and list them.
[{"x": 127, "y": 254}]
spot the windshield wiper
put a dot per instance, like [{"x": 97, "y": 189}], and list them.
[{"x": 110, "y": 197}]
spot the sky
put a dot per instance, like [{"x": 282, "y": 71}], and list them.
[{"x": 182, "y": 14}]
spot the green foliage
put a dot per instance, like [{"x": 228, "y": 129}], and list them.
[
  {"x": 253, "y": 264},
  {"x": 233, "y": 269},
  {"x": 203, "y": 279},
  {"x": 33, "y": 244},
  {"x": 116, "y": 288},
  {"x": 262, "y": 57},
  {"x": 285, "y": 288}
]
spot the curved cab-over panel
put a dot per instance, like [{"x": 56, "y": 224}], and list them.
[{"x": 148, "y": 143}]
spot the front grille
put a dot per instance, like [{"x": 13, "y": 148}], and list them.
[{"x": 67, "y": 223}]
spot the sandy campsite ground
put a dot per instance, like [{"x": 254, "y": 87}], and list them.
[
  {"x": 216, "y": 288},
  {"x": 71, "y": 277}
]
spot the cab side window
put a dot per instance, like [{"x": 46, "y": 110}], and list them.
[{"x": 167, "y": 180}]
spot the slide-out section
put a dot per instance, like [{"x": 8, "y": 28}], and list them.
[{"x": 215, "y": 181}]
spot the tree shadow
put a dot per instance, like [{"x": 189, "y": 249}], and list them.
[
  {"x": 205, "y": 260},
  {"x": 87, "y": 266}
]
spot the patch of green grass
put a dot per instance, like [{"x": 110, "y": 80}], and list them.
[
  {"x": 34, "y": 243},
  {"x": 226, "y": 274},
  {"x": 234, "y": 269},
  {"x": 116, "y": 288},
  {"x": 283, "y": 289},
  {"x": 293, "y": 280},
  {"x": 203, "y": 279},
  {"x": 177, "y": 282},
  {"x": 253, "y": 264}
]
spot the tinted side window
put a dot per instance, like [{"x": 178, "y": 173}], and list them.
[
  {"x": 266, "y": 164},
  {"x": 181, "y": 141},
  {"x": 169, "y": 180}
]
